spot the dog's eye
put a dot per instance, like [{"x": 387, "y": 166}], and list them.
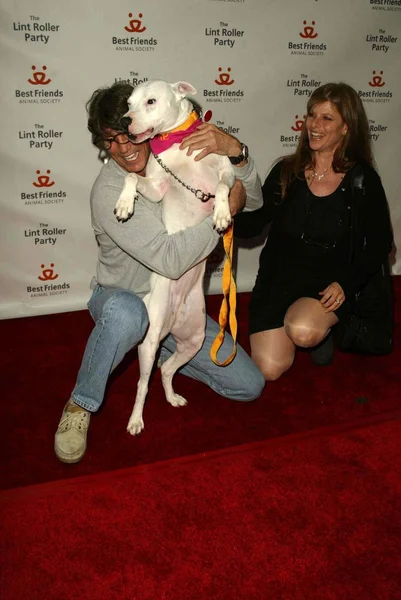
[{"x": 151, "y": 101}]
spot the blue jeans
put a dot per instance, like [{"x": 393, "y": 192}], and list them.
[{"x": 121, "y": 321}]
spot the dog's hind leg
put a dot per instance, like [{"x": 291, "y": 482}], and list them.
[
  {"x": 185, "y": 351},
  {"x": 189, "y": 334},
  {"x": 157, "y": 304},
  {"x": 146, "y": 353}
]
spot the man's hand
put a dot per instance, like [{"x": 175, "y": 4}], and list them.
[
  {"x": 332, "y": 297},
  {"x": 237, "y": 197},
  {"x": 211, "y": 140}
]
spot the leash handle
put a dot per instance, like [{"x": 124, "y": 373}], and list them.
[{"x": 229, "y": 302}]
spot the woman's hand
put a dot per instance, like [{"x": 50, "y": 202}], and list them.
[
  {"x": 211, "y": 140},
  {"x": 332, "y": 297}
]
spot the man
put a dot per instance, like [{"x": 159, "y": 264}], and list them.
[{"x": 129, "y": 252}]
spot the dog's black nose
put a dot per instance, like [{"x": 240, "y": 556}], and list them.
[{"x": 125, "y": 123}]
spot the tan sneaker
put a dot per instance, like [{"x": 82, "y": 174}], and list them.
[{"x": 70, "y": 438}]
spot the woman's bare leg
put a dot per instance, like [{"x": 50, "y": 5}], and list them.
[
  {"x": 305, "y": 324},
  {"x": 272, "y": 351}
]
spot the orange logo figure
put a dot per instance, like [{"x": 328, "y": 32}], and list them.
[
  {"x": 224, "y": 78},
  {"x": 207, "y": 116},
  {"x": 298, "y": 123},
  {"x": 43, "y": 180},
  {"x": 308, "y": 31},
  {"x": 135, "y": 24},
  {"x": 377, "y": 80},
  {"x": 39, "y": 77},
  {"x": 48, "y": 274}
]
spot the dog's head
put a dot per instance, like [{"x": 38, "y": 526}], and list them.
[{"x": 157, "y": 106}]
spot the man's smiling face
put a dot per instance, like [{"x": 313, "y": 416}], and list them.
[{"x": 131, "y": 157}]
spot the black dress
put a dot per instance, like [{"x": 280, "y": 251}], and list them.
[{"x": 306, "y": 250}]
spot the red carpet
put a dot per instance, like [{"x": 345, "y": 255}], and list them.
[
  {"x": 301, "y": 518},
  {"x": 40, "y": 357}
]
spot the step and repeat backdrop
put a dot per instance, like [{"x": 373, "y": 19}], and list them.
[{"x": 254, "y": 64}]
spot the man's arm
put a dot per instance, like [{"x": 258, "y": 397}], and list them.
[
  {"x": 144, "y": 237},
  {"x": 253, "y": 189}
]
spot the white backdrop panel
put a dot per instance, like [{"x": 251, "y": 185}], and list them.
[{"x": 254, "y": 64}]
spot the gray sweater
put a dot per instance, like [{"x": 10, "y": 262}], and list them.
[{"x": 128, "y": 252}]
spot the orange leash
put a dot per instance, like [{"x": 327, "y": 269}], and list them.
[{"x": 229, "y": 303}]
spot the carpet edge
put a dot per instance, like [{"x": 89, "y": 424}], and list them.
[{"x": 57, "y": 486}]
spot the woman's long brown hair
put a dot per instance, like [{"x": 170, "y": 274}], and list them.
[{"x": 355, "y": 145}]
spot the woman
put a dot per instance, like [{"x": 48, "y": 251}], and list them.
[{"x": 305, "y": 274}]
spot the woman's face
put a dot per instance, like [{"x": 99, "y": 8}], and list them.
[{"x": 325, "y": 127}]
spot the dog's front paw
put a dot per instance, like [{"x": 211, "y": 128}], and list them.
[
  {"x": 135, "y": 426},
  {"x": 125, "y": 207},
  {"x": 221, "y": 218}
]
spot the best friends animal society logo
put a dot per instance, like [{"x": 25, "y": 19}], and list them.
[
  {"x": 139, "y": 40},
  {"x": 37, "y": 92},
  {"x": 224, "y": 92},
  {"x": 47, "y": 275},
  {"x": 308, "y": 45},
  {"x": 43, "y": 194}
]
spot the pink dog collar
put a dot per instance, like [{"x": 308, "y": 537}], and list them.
[{"x": 162, "y": 142}]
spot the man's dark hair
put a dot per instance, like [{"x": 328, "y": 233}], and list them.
[{"x": 106, "y": 109}]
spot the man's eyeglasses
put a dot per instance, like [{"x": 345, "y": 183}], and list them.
[{"x": 119, "y": 138}]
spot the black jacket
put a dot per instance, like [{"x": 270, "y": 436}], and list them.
[{"x": 371, "y": 232}]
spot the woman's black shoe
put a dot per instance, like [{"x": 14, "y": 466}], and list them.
[{"x": 323, "y": 354}]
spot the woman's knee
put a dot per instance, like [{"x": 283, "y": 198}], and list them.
[
  {"x": 270, "y": 369},
  {"x": 305, "y": 323},
  {"x": 304, "y": 336}
]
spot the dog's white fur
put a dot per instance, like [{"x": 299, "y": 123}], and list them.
[{"x": 174, "y": 306}]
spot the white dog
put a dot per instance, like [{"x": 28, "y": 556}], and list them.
[{"x": 174, "y": 306}]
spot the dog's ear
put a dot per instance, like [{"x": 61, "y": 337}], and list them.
[{"x": 183, "y": 89}]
